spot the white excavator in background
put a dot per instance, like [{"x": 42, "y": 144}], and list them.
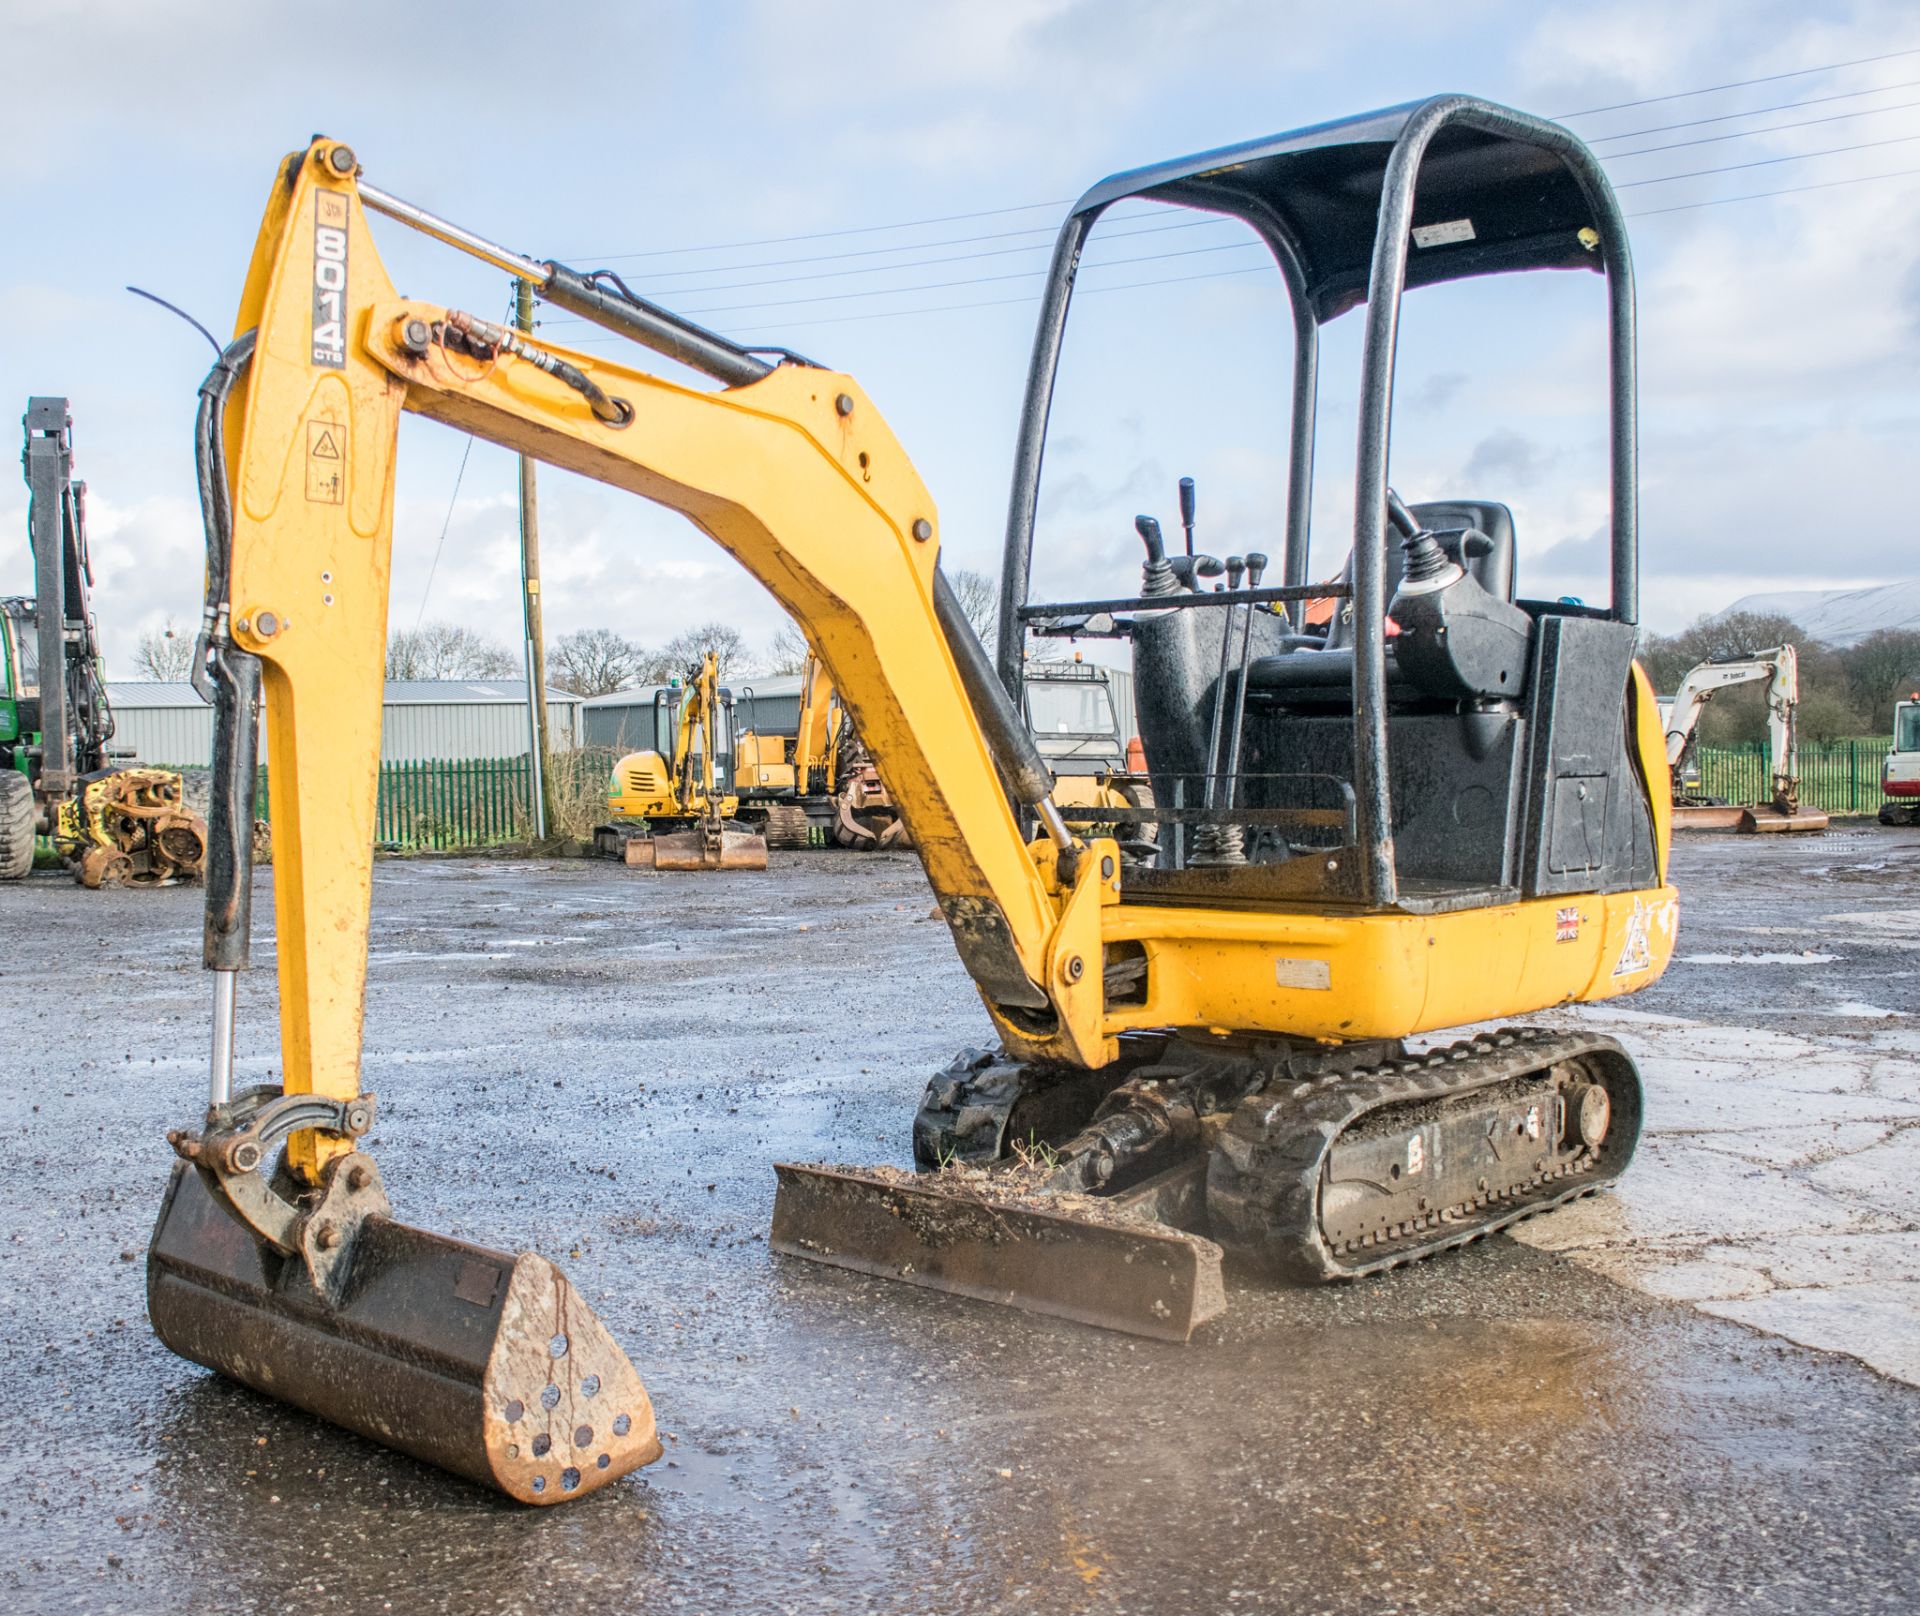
[
  {"x": 1780, "y": 667},
  {"x": 1900, "y": 774}
]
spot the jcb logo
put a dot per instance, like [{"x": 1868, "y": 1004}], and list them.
[{"x": 330, "y": 279}]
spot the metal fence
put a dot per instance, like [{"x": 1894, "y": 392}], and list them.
[
  {"x": 481, "y": 801},
  {"x": 472, "y": 803},
  {"x": 1840, "y": 778}
]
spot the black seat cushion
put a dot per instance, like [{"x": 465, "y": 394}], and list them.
[{"x": 1493, "y": 572}]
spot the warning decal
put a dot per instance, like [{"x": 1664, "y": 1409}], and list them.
[
  {"x": 326, "y": 463},
  {"x": 330, "y": 279},
  {"x": 1636, "y": 952}
]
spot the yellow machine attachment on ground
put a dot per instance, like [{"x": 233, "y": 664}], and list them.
[
  {"x": 130, "y": 827},
  {"x": 684, "y": 809},
  {"x": 1210, "y": 1039}
]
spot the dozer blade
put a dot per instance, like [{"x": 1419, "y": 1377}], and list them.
[
  {"x": 487, "y": 1365},
  {"x": 699, "y": 850},
  {"x": 1770, "y": 821},
  {"x": 1141, "y": 1278}
]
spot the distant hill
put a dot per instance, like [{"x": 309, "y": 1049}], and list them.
[{"x": 1840, "y": 616}]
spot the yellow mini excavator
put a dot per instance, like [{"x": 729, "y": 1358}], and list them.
[
  {"x": 1361, "y": 838},
  {"x": 823, "y": 778},
  {"x": 684, "y": 810}
]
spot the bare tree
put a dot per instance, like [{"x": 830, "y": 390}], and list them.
[
  {"x": 1827, "y": 711},
  {"x": 690, "y": 647},
  {"x": 594, "y": 662},
  {"x": 786, "y": 653},
  {"x": 1881, "y": 669},
  {"x": 979, "y": 597},
  {"x": 165, "y": 654},
  {"x": 447, "y": 651}
]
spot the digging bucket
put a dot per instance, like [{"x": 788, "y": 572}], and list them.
[{"x": 487, "y": 1365}]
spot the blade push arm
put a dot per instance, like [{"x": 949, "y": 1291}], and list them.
[{"x": 795, "y": 474}]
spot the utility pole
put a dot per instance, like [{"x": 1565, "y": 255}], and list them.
[{"x": 530, "y": 603}]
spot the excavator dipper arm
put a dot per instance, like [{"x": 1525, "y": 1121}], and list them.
[{"x": 796, "y": 475}]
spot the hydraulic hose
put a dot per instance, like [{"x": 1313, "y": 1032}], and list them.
[
  {"x": 1026, "y": 774},
  {"x": 230, "y": 680}
]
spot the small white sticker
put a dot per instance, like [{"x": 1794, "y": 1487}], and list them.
[
  {"x": 1315, "y": 974},
  {"x": 1443, "y": 235},
  {"x": 1533, "y": 1122},
  {"x": 1416, "y": 1154}
]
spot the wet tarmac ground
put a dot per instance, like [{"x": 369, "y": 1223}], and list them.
[{"x": 600, "y": 1065}]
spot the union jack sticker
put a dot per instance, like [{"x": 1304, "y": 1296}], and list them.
[{"x": 1566, "y": 925}]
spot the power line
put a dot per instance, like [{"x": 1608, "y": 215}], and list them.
[
  {"x": 1791, "y": 190},
  {"x": 452, "y": 501},
  {"x": 1222, "y": 274},
  {"x": 1765, "y": 162},
  {"x": 922, "y": 263},
  {"x": 1771, "y": 129},
  {"x": 1016, "y": 275},
  {"x": 1156, "y": 229},
  {"x": 1029, "y": 207},
  {"x": 1754, "y": 112},
  {"x": 1740, "y": 84},
  {"x": 828, "y": 235}
]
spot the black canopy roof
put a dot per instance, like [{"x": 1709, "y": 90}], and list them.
[{"x": 1488, "y": 199}]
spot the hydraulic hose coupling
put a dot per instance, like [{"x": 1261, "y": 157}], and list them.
[{"x": 610, "y": 411}]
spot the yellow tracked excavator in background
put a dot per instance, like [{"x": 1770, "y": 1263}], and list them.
[
  {"x": 684, "y": 812},
  {"x": 821, "y": 778},
  {"x": 1201, "y": 1037}
]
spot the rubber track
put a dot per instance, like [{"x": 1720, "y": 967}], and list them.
[{"x": 1264, "y": 1178}]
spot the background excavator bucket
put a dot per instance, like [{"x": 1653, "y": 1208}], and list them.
[
  {"x": 1768, "y": 821},
  {"x": 485, "y": 1364},
  {"x": 705, "y": 850},
  {"x": 1142, "y": 1278}
]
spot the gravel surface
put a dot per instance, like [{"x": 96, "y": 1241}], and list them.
[{"x": 600, "y": 1065}]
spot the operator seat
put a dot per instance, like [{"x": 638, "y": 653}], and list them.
[
  {"x": 1327, "y": 670},
  {"x": 1493, "y": 571}
]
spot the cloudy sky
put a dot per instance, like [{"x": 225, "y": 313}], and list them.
[{"x": 877, "y": 186}]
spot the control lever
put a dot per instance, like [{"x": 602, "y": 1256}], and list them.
[
  {"x": 1233, "y": 569},
  {"x": 1157, "y": 577},
  {"x": 1186, "y": 510},
  {"x": 1400, "y": 518},
  {"x": 1256, "y": 565},
  {"x": 1207, "y": 566}
]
